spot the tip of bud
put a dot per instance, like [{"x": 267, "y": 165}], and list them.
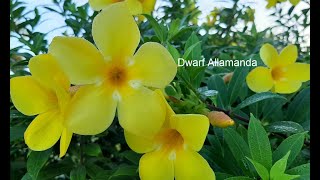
[
  {"x": 220, "y": 119},
  {"x": 227, "y": 77}
]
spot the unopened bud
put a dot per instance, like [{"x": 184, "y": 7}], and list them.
[
  {"x": 227, "y": 77},
  {"x": 220, "y": 119}
]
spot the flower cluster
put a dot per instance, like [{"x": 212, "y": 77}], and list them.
[{"x": 78, "y": 88}]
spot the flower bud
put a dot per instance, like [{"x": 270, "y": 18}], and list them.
[
  {"x": 227, "y": 77},
  {"x": 219, "y": 119}
]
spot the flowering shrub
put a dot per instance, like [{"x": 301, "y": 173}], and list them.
[{"x": 112, "y": 90}]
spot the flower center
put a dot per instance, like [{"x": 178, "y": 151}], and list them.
[
  {"x": 170, "y": 139},
  {"x": 73, "y": 89},
  {"x": 117, "y": 76},
  {"x": 278, "y": 73}
]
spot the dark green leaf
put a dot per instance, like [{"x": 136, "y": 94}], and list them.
[
  {"x": 285, "y": 127},
  {"x": 299, "y": 107},
  {"x": 258, "y": 97},
  {"x": 293, "y": 143},
  {"x": 125, "y": 171},
  {"x": 216, "y": 83},
  {"x": 132, "y": 156},
  {"x": 302, "y": 170},
  {"x": 239, "y": 178},
  {"x": 92, "y": 149},
  {"x": 16, "y": 132},
  {"x": 79, "y": 173},
  {"x": 259, "y": 143},
  {"x": 238, "y": 147},
  {"x": 36, "y": 161},
  {"x": 236, "y": 82}
]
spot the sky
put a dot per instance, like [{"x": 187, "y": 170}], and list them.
[{"x": 52, "y": 21}]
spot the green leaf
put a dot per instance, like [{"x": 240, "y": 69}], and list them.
[
  {"x": 16, "y": 132},
  {"x": 259, "y": 144},
  {"x": 124, "y": 171},
  {"x": 293, "y": 143},
  {"x": 79, "y": 173},
  {"x": 92, "y": 149},
  {"x": 174, "y": 28},
  {"x": 239, "y": 178},
  {"x": 193, "y": 53},
  {"x": 236, "y": 82},
  {"x": 302, "y": 170},
  {"x": 36, "y": 161},
  {"x": 261, "y": 170},
  {"x": 26, "y": 177},
  {"x": 278, "y": 169},
  {"x": 285, "y": 127},
  {"x": 299, "y": 107},
  {"x": 190, "y": 50},
  {"x": 286, "y": 177},
  {"x": 174, "y": 52},
  {"x": 238, "y": 147},
  {"x": 280, "y": 166},
  {"x": 215, "y": 82},
  {"x": 159, "y": 29},
  {"x": 132, "y": 156},
  {"x": 220, "y": 175},
  {"x": 55, "y": 169},
  {"x": 258, "y": 97}
]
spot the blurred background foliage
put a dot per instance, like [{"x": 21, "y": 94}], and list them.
[{"x": 227, "y": 33}]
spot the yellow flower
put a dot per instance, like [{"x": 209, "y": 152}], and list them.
[
  {"x": 172, "y": 152},
  {"x": 45, "y": 94},
  {"x": 284, "y": 75},
  {"x": 135, "y": 6},
  {"x": 113, "y": 76},
  {"x": 272, "y": 3}
]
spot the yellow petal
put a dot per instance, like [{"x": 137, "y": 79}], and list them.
[
  {"x": 91, "y": 110},
  {"x": 134, "y": 6},
  {"x": 298, "y": 72},
  {"x": 30, "y": 97},
  {"x": 287, "y": 87},
  {"x": 288, "y": 55},
  {"x": 141, "y": 112},
  {"x": 65, "y": 141},
  {"x": 294, "y": 2},
  {"x": 260, "y": 79},
  {"x": 97, "y": 5},
  {"x": 192, "y": 127},
  {"x": 189, "y": 165},
  {"x": 115, "y": 32},
  {"x": 148, "y": 6},
  {"x": 268, "y": 55},
  {"x": 154, "y": 65},
  {"x": 156, "y": 166},
  {"x": 169, "y": 111},
  {"x": 79, "y": 59},
  {"x": 44, "y": 131},
  {"x": 47, "y": 71},
  {"x": 139, "y": 144}
]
